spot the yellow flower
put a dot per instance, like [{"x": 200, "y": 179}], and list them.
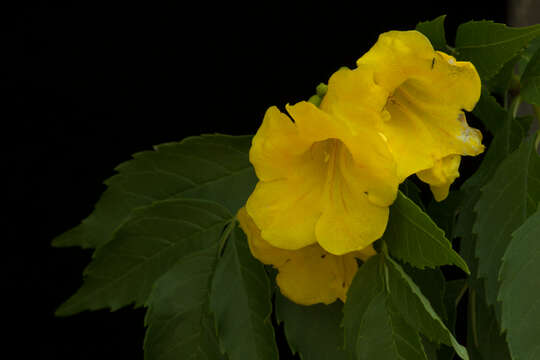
[
  {"x": 423, "y": 95},
  {"x": 321, "y": 180},
  {"x": 328, "y": 175},
  {"x": 308, "y": 275}
]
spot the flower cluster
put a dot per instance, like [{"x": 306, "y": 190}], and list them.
[{"x": 328, "y": 173}]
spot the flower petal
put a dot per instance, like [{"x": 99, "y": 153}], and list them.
[
  {"x": 428, "y": 91},
  {"x": 309, "y": 275},
  {"x": 342, "y": 162},
  {"x": 441, "y": 176},
  {"x": 315, "y": 276},
  {"x": 276, "y": 146}
]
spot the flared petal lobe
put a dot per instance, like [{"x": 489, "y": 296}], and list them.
[
  {"x": 427, "y": 90},
  {"x": 308, "y": 275},
  {"x": 441, "y": 176},
  {"x": 322, "y": 181}
]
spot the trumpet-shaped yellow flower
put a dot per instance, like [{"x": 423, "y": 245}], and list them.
[
  {"x": 321, "y": 180},
  {"x": 308, "y": 275},
  {"x": 328, "y": 174},
  {"x": 421, "y": 94}
]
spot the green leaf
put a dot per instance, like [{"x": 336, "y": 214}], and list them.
[
  {"x": 412, "y": 191},
  {"x": 454, "y": 290},
  {"x": 373, "y": 329},
  {"x": 314, "y": 331},
  {"x": 434, "y": 30},
  {"x": 526, "y": 56},
  {"x": 507, "y": 139},
  {"x": 179, "y": 323},
  {"x": 506, "y": 201},
  {"x": 444, "y": 213},
  {"x": 413, "y": 237},
  {"x": 383, "y": 334},
  {"x": 432, "y": 284},
  {"x": 519, "y": 291},
  {"x": 210, "y": 167},
  {"x": 490, "y": 112},
  {"x": 490, "y": 45},
  {"x": 484, "y": 337},
  {"x": 144, "y": 248},
  {"x": 530, "y": 81},
  {"x": 500, "y": 83},
  {"x": 241, "y": 303},
  {"x": 430, "y": 349},
  {"x": 415, "y": 308}
]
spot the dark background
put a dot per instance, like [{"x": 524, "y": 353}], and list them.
[{"x": 90, "y": 84}]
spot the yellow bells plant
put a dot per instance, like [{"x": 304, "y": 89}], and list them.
[
  {"x": 328, "y": 174},
  {"x": 185, "y": 229}
]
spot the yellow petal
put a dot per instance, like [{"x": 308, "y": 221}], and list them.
[
  {"x": 276, "y": 146},
  {"x": 428, "y": 91},
  {"x": 260, "y": 249},
  {"x": 441, "y": 176},
  {"x": 353, "y": 94},
  {"x": 366, "y": 148},
  {"x": 315, "y": 276},
  {"x": 309, "y": 275},
  {"x": 342, "y": 184}
]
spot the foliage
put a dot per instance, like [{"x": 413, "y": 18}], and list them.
[{"x": 165, "y": 237}]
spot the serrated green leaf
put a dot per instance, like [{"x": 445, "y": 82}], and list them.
[
  {"x": 484, "y": 338},
  {"x": 413, "y": 237},
  {"x": 506, "y": 201},
  {"x": 314, "y": 331},
  {"x": 432, "y": 284},
  {"x": 241, "y": 303},
  {"x": 490, "y": 112},
  {"x": 506, "y": 140},
  {"x": 210, "y": 167},
  {"x": 453, "y": 292},
  {"x": 530, "y": 81},
  {"x": 490, "y": 45},
  {"x": 373, "y": 329},
  {"x": 444, "y": 213},
  {"x": 383, "y": 334},
  {"x": 366, "y": 285},
  {"x": 414, "y": 307},
  {"x": 413, "y": 192},
  {"x": 519, "y": 291},
  {"x": 434, "y": 31},
  {"x": 500, "y": 82},
  {"x": 526, "y": 56},
  {"x": 145, "y": 247},
  {"x": 430, "y": 349},
  {"x": 179, "y": 322}
]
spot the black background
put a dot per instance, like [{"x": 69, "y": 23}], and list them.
[{"x": 90, "y": 83}]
